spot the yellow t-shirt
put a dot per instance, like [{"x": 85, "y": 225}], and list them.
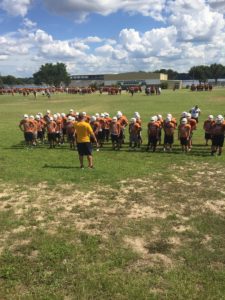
[{"x": 83, "y": 131}]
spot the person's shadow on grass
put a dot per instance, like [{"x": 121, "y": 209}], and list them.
[{"x": 60, "y": 167}]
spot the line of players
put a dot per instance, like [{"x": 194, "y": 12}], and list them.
[{"x": 60, "y": 127}]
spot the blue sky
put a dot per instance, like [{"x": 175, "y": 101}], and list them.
[{"x": 110, "y": 36}]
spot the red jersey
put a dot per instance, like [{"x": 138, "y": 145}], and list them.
[
  {"x": 95, "y": 127},
  {"x": 101, "y": 122},
  {"x": 115, "y": 128},
  {"x": 134, "y": 128},
  {"x": 193, "y": 124},
  {"x": 70, "y": 129},
  {"x": 27, "y": 125},
  {"x": 64, "y": 121},
  {"x": 108, "y": 120},
  {"x": 123, "y": 121},
  {"x": 208, "y": 126},
  {"x": 58, "y": 125},
  {"x": 51, "y": 127},
  {"x": 153, "y": 128},
  {"x": 138, "y": 120},
  {"x": 184, "y": 130},
  {"x": 218, "y": 129},
  {"x": 169, "y": 128}
]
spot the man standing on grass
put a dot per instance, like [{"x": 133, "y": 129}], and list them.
[
  {"x": 153, "y": 133},
  {"x": 27, "y": 126},
  {"x": 193, "y": 123},
  {"x": 184, "y": 132},
  {"x": 115, "y": 129},
  {"x": 218, "y": 131},
  {"x": 83, "y": 133},
  {"x": 208, "y": 128},
  {"x": 168, "y": 127},
  {"x": 195, "y": 112}
]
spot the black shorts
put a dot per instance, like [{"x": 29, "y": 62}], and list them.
[
  {"x": 168, "y": 139},
  {"x": 134, "y": 139},
  {"x": 101, "y": 135},
  {"x": 84, "y": 149},
  {"x": 28, "y": 136},
  {"x": 208, "y": 136},
  {"x": 58, "y": 135},
  {"x": 51, "y": 136},
  {"x": 183, "y": 141},
  {"x": 122, "y": 135},
  {"x": 218, "y": 140},
  {"x": 106, "y": 131},
  {"x": 70, "y": 137},
  {"x": 114, "y": 138},
  {"x": 40, "y": 135},
  {"x": 64, "y": 131},
  {"x": 153, "y": 140}
]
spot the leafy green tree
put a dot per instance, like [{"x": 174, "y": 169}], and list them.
[
  {"x": 9, "y": 80},
  {"x": 200, "y": 73},
  {"x": 216, "y": 71},
  {"x": 52, "y": 74},
  {"x": 26, "y": 80},
  {"x": 172, "y": 75},
  {"x": 1, "y": 82}
]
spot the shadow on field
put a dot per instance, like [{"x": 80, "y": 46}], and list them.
[
  {"x": 199, "y": 150},
  {"x": 39, "y": 146},
  {"x": 15, "y": 147},
  {"x": 60, "y": 167}
]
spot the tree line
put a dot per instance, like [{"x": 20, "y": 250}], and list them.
[
  {"x": 201, "y": 73},
  {"x": 48, "y": 74},
  {"x": 56, "y": 75}
]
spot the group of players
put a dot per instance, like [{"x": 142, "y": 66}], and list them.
[{"x": 60, "y": 127}]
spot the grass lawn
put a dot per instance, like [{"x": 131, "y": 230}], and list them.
[{"x": 139, "y": 226}]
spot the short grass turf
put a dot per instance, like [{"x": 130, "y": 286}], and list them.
[
  {"x": 139, "y": 226},
  {"x": 20, "y": 164}
]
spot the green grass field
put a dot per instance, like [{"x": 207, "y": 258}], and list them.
[{"x": 139, "y": 226}]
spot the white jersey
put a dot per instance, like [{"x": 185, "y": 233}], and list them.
[{"x": 195, "y": 112}]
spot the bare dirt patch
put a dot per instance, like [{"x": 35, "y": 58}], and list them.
[
  {"x": 137, "y": 244},
  {"x": 140, "y": 211},
  {"x": 98, "y": 212},
  {"x": 181, "y": 228},
  {"x": 140, "y": 246},
  {"x": 216, "y": 206}
]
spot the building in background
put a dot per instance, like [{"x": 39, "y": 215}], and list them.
[{"x": 125, "y": 80}]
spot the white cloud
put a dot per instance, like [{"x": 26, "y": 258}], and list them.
[
  {"x": 28, "y": 23},
  {"x": 187, "y": 38},
  {"x": 80, "y": 9},
  {"x": 3, "y": 57},
  {"x": 156, "y": 42},
  {"x": 92, "y": 39},
  {"x": 218, "y": 5},
  {"x": 41, "y": 36},
  {"x": 117, "y": 53},
  {"x": 195, "y": 20},
  {"x": 57, "y": 49},
  {"x": 15, "y": 7}
]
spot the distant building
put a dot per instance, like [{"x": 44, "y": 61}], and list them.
[
  {"x": 124, "y": 80},
  {"x": 220, "y": 82}
]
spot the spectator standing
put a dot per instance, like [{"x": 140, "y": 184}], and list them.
[
  {"x": 195, "y": 112},
  {"x": 83, "y": 133}
]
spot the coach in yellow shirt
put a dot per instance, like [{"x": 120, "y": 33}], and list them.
[{"x": 83, "y": 133}]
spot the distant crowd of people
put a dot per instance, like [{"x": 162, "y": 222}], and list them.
[
  {"x": 58, "y": 128},
  {"x": 110, "y": 90},
  {"x": 201, "y": 87}
]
